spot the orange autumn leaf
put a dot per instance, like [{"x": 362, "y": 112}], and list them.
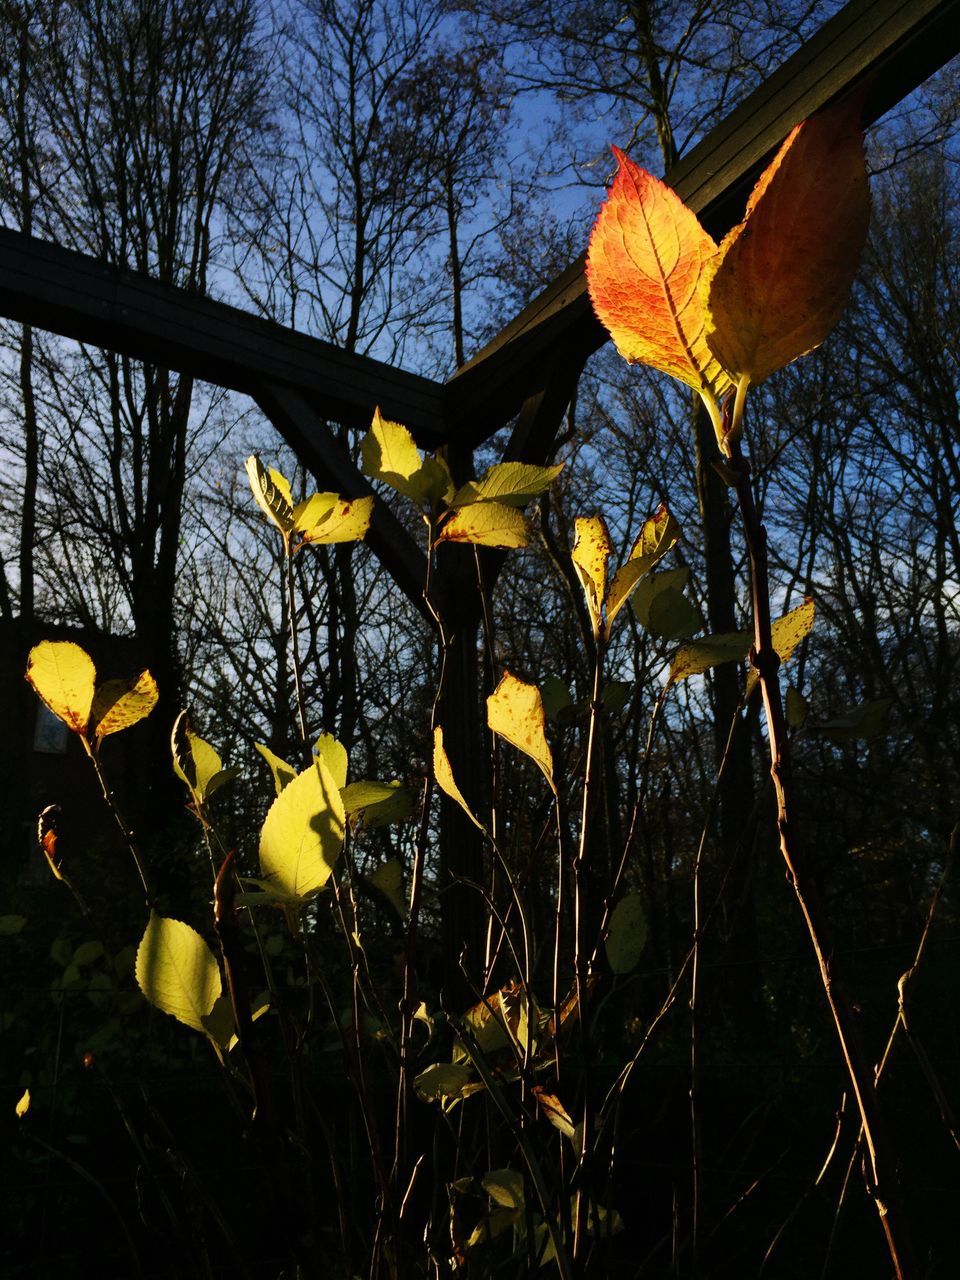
[
  {"x": 646, "y": 255},
  {"x": 780, "y": 279}
]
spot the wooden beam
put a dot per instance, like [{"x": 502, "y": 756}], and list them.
[
  {"x": 80, "y": 297},
  {"x": 890, "y": 45},
  {"x": 318, "y": 449}
]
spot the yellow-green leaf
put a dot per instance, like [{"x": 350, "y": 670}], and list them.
[
  {"x": 591, "y": 551},
  {"x": 786, "y": 633},
  {"x": 700, "y": 655},
  {"x": 195, "y": 762},
  {"x": 446, "y": 1082},
  {"x": 656, "y": 537},
  {"x": 515, "y": 712},
  {"x": 376, "y": 804},
  {"x": 388, "y": 453},
  {"x": 487, "y": 524},
  {"x": 388, "y": 879},
  {"x": 513, "y": 483},
  {"x": 63, "y": 676},
  {"x": 23, "y": 1106},
  {"x": 282, "y": 772},
  {"x": 118, "y": 704},
  {"x": 334, "y": 756},
  {"x": 177, "y": 971},
  {"x": 344, "y": 522},
  {"x": 314, "y": 510},
  {"x": 780, "y": 279},
  {"x": 271, "y": 492},
  {"x": 445, "y": 780},
  {"x": 626, "y": 934},
  {"x": 302, "y": 834}
]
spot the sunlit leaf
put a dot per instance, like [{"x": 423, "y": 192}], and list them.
[
  {"x": 195, "y": 762},
  {"x": 445, "y": 780},
  {"x": 302, "y": 834},
  {"x": 487, "y": 524},
  {"x": 626, "y": 934},
  {"x": 436, "y": 482},
  {"x": 591, "y": 551},
  {"x": 647, "y": 251},
  {"x": 513, "y": 483},
  {"x": 388, "y": 453},
  {"x": 786, "y": 633},
  {"x": 314, "y": 510},
  {"x": 345, "y": 522},
  {"x": 656, "y": 537},
  {"x": 282, "y": 772},
  {"x": 334, "y": 756},
  {"x": 63, "y": 676},
  {"x": 700, "y": 655},
  {"x": 118, "y": 704},
  {"x": 515, "y": 712},
  {"x": 554, "y": 1111},
  {"x": 376, "y": 804},
  {"x": 388, "y": 880},
  {"x": 446, "y": 1081},
  {"x": 23, "y": 1106},
  {"x": 177, "y": 971},
  {"x": 781, "y": 278},
  {"x": 271, "y": 492}
]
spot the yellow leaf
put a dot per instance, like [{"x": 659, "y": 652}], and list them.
[
  {"x": 271, "y": 493},
  {"x": 443, "y": 774},
  {"x": 781, "y": 278},
  {"x": 314, "y": 510},
  {"x": 513, "y": 483},
  {"x": 345, "y": 522},
  {"x": 515, "y": 712},
  {"x": 786, "y": 633},
  {"x": 334, "y": 756},
  {"x": 646, "y": 255},
  {"x": 195, "y": 762},
  {"x": 63, "y": 676},
  {"x": 177, "y": 971},
  {"x": 282, "y": 772},
  {"x": 700, "y": 655},
  {"x": 488, "y": 524},
  {"x": 118, "y": 704},
  {"x": 388, "y": 879},
  {"x": 388, "y": 453},
  {"x": 23, "y": 1106},
  {"x": 302, "y": 834},
  {"x": 591, "y": 551},
  {"x": 654, "y": 540}
]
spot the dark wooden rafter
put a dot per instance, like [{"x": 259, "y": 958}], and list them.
[
  {"x": 887, "y": 47},
  {"x": 80, "y": 297}
]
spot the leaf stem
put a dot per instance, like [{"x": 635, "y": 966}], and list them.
[{"x": 881, "y": 1167}]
